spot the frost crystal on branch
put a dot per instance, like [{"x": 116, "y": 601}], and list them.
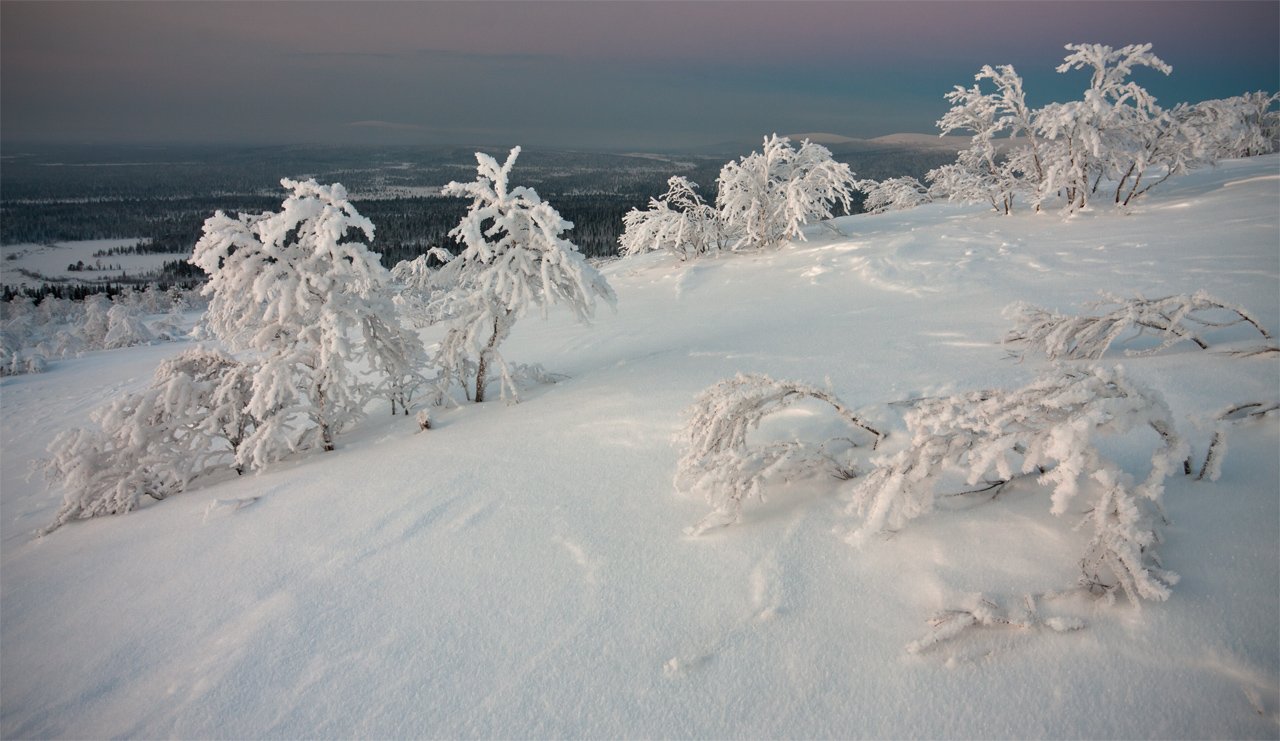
[
  {"x": 722, "y": 465},
  {"x": 1049, "y": 425},
  {"x": 1172, "y": 319}
]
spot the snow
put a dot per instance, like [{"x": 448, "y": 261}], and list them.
[
  {"x": 520, "y": 570},
  {"x": 47, "y": 263}
]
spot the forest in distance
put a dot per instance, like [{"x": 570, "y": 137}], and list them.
[{"x": 162, "y": 194}]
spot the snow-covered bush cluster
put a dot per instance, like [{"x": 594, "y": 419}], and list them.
[
  {"x": 720, "y": 462},
  {"x": 1115, "y": 141},
  {"x": 1171, "y": 319},
  {"x": 315, "y": 323},
  {"x": 1049, "y": 428},
  {"x": 191, "y": 421},
  {"x": 762, "y": 199},
  {"x": 33, "y": 335}
]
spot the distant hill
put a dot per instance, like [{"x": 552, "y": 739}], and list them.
[{"x": 840, "y": 144}]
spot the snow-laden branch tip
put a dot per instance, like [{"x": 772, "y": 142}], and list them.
[
  {"x": 1226, "y": 419},
  {"x": 982, "y": 612}
]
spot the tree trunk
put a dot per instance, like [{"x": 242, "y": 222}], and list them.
[{"x": 483, "y": 365}]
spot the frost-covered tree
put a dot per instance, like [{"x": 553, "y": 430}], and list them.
[
  {"x": 767, "y": 196},
  {"x": 893, "y": 194},
  {"x": 1100, "y": 135},
  {"x": 721, "y": 464},
  {"x": 300, "y": 290},
  {"x": 1171, "y": 319},
  {"x": 1047, "y": 428},
  {"x": 513, "y": 259},
  {"x": 978, "y": 174},
  {"x": 125, "y": 327},
  {"x": 677, "y": 221},
  {"x": 94, "y": 322},
  {"x": 189, "y": 422},
  {"x": 987, "y": 171}
]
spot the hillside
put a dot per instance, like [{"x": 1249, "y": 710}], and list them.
[{"x": 520, "y": 570}]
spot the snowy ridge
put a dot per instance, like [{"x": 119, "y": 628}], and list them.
[{"x": 520, "y": 571}]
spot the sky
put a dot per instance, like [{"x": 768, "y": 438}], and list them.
[{"x": 610, "y": 75}]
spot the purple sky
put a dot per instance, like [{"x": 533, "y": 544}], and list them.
[{"x": 596, "y": 74}]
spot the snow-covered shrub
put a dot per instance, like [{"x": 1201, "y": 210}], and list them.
[
  {"x": 1173, "y": 319},
  {"x": 723, "y": 466},
  {"x": 514, "y": 258},
  {"x": 299, "y": 290},
  {"x": 767, "y": 196},
  {"x": 1048, "y": 428},
  {"x": 893, "y": 194},
  {"x": 1241, "y": 126},
  {"x": 677, "y": 221},
  {"x": 153, "y": 443}
]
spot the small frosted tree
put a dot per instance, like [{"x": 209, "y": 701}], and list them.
[
  {"x": 980, "y": 173},
  {"x": 678, "y": 221},
  {"x": 1095, "y": 137},
  {"x": 513, "y": 258},
  {"x": 299, "y": 289},
  {"x": 767, "y": 196}
]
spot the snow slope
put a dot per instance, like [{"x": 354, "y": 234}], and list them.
[{"x": 520, "y": 571}]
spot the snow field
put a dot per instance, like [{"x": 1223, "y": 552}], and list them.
[
  {"x": 520, "y": 571},
  {"x": 51, "y": 261}
]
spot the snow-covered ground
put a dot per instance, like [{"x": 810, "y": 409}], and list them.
[
  {"x": 37, "y": 264},
  {"x": 520, "y": 571}
]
